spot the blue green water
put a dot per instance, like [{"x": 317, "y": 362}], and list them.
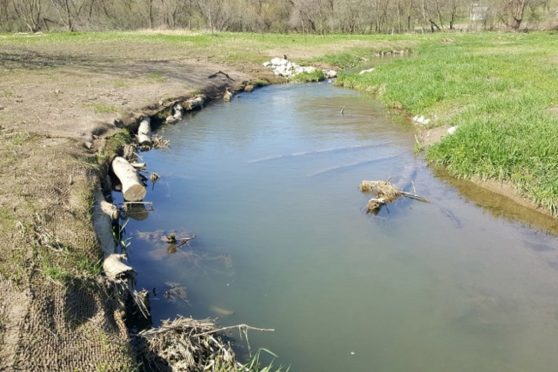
[{"x": 269, "y": 185}]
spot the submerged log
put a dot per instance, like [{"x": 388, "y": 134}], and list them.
[
  {"x": 144, "y": 132},
  {"x": 132, "y": 188}
]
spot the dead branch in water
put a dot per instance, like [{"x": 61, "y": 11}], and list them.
[
  {"x": 385, "y": 193},
  {"x": 187, "y": 344}
]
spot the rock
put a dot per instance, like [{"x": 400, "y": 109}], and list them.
[
  {"x": 452, "y": 130},
  {"x": 279, "y": 61},
  {"x": 330, "y": 74},
  {"x": 421, "y": 120},
  {"x": 227, "y": 96},
  {"x": 267, "y": 64},
  {"x": 88, "y": 145},
  {"x": 249, "y": 88},
  {"x": 284, "y": 67},
  {"x": 171, "y": 119},
  {"x": 367, "y": 71},
  {"x": 178, "y": 110},
  {"x": 1, "y": 107}
]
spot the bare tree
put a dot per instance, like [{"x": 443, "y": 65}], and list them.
[
  {"x": 30, "y": 12},
  {"x": 516, "y": 10}
]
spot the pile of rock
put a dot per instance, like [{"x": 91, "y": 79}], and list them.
[
  {"x": 421, "y": 120},
  {"x": 284, "y": 67}
]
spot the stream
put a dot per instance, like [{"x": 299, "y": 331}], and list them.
[{"x": 269, "y": 186}]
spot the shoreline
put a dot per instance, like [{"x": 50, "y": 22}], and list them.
[{"x": 73, "y": 144}]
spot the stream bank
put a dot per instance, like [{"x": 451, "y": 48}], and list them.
[{"x": 288, "y": 239}]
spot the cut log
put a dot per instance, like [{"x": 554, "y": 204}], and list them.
[
  {"x": 102, "y": 223},
  {"x": 114, "y": 267},
  {"x": 144, "y": 132},
  {"x": 132, "y": 188},
  {"x": 110, "y": 209}
]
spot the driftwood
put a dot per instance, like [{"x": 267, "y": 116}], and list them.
[
  {"x": 385, "y": 193},
  {"x": 132, "y": 188},
  {"x": 144, "y": 132},
  {"x": 220, "y": 73},
  {"x": 187, "y": 344}
]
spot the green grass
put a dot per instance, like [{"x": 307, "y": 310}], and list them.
[
  {"x": 104, "y": 108},
  {"x": 232, "y": 48},
  {"x": 309, "y": 77},
  {"x": 498, "y": 89}
]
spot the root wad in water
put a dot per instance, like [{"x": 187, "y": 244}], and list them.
[{"x": 385, "y": 193}]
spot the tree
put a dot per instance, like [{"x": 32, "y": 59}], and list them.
[{"x": 516, "y": 10}]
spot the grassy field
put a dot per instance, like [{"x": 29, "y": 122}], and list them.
[{"x": 501, "y": 90}]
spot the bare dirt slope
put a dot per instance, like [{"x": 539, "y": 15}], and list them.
[
  {"x": 63, "y": 92},
  {"x": 56, "y": 313}
]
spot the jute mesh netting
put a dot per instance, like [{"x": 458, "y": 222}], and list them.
[{"x": 74, "y": 327}]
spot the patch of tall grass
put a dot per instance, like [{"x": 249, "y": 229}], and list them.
[{"x": 498, "y": 89}]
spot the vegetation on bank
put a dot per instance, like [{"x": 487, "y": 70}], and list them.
[{"x": 500, "y": 90}]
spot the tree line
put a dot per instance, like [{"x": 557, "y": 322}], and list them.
[{"x": 312, "y": 16}]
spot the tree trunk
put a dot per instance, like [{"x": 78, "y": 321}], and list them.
[
  {"x": 69, "y": 16},
  {"x": 132, "y": 188}
]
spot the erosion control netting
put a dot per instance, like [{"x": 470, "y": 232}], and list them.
[{"x": 72, "y": 327}]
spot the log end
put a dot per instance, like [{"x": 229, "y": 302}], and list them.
[{"x": 135, "y": 193}]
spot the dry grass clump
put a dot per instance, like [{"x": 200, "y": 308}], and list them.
[
  {"x": 186, "y": 344},
  {"x": 160, "y": 142}
]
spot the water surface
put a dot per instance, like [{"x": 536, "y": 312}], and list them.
[{"x": 269, "y": 185}]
